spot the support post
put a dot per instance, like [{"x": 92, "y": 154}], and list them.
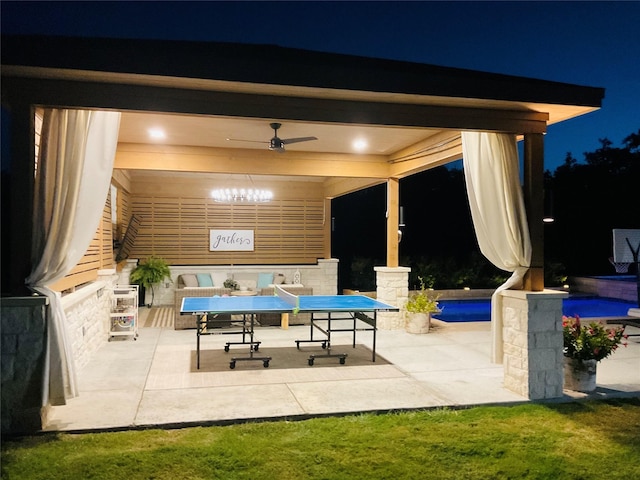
[
  {"x": 534, "y": 204},
  {"x": 393, "y": 202},
  {"x": 326, "y": 230},
  {"x": 16, "y": 246}
]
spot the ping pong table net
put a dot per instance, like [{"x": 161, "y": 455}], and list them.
[{"x": 288, "y": 297}]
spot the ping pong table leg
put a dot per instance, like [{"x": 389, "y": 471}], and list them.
[
  {"x": 284, "y": 321},
  {"x": 198, "y": 326}
]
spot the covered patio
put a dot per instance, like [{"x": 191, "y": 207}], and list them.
[{"x": 414, "y": 116}]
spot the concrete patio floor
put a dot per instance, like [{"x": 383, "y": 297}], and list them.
[{"x": 151, "y": 382}]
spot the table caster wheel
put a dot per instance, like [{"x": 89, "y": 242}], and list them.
[
  {"x": 265, "y": 364},
  {"x": 232, "y": 365},
  {"x": 226, "y": 349},
  {"x": 342, "y": 360},
  {"x": 311, "y": 362},
  {"x": 255, "y": 348},
  {"x": 324, "y": 345},
  {"x": 298, "y": 345}
]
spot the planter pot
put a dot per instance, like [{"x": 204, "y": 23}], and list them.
[
  {"x": 580, "y": 375},
  {"x": 418, "y": 322}
]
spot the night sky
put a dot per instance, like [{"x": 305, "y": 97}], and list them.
[{"x": 586, "y": 43}]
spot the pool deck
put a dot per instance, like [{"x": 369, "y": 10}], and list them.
[{"x": 152, "y": 383}]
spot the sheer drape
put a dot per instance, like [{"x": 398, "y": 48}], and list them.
[
  {"x": 498, "y": 212},
  {"x": 72, "y": 180}
]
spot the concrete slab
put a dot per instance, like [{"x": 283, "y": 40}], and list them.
[{"x": 152, "y": 381}]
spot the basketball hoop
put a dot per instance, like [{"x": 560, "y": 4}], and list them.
[{"x": 621, "y": 267}]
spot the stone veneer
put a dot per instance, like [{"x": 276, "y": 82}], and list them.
[
  {"x": 392, "y": 287},
  {"x": 605, "y": 287},
  {"x": 23, "y": 345},
  {"x": 87, "y": 311},
  {"x": 533, "y": 344},
  {"x": 24, "y": 324}
]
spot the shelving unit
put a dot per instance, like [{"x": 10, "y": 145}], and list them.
[{"x": 124, "y": 312}]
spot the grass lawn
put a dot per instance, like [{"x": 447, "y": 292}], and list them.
[{"x": 580, "y": 440}]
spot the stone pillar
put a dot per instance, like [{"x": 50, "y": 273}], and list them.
[
  {"x": 24, "y": 332},
  {"x": 392, "y": 287},
  {"x": 329, "y": 274},
  {"x": 533, "y": 359}
]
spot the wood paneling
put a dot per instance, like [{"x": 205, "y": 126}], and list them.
[
  {"x": 98, "y": 256},
  {"x": 177, "y": 229}
]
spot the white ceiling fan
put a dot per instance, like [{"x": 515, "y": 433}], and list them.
[{"x": 277, "y": 143}]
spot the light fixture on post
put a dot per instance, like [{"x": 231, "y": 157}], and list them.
[
  {"x": 241, "y": 195},
  {"x": 548, "y": 207}
]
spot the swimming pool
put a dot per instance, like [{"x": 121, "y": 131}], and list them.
[{"x": 585, "y": 307}]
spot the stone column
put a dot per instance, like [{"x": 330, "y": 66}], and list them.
[
  {"x": 392, "y": 287},
  {"x": 329, "y": 272},
  {"x": 24, "y": 336},
  {"x": 533, "y": 359}
]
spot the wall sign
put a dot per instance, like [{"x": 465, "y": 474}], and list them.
[{"x": 230, "y": 240}]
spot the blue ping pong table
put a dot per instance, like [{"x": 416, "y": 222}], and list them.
[{"x": 325, "y": 310}]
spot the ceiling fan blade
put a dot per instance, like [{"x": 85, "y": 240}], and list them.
[
  {"x": 289, "y": 141},
  {"x": 243, "y": 140}
]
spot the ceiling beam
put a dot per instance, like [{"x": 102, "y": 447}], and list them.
[
  {"x": 439, "y": 149},
  {"x": 77, "y": 94},
  {"x": 248, "y": 161},
  {"x": 338, "y": 186}
]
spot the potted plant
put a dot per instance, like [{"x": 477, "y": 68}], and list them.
[
  {"x": 584, "y": 347},
  {"x": 419, "y": 308},
  {"x": 231, "y": 284},
  {"x": 154, "y": 270}
]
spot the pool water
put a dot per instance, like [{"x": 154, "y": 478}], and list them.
[{"x": 584, "y": 307}]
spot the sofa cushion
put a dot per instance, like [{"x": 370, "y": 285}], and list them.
[
  {"x": 204, "y": 280},
  {"x": 219, "y": 278},
  {"x": 189, "y": 280},
  {"x": 264, "y": 280}
]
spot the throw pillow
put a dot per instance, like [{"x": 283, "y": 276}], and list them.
[
  {"x": 264, "y": 280},
  {"x": 219, "y": 278},
  {"x": 278, "y": 279},
  {"x": 189, "y": 280},
  {"x": 204, "y": 280}
]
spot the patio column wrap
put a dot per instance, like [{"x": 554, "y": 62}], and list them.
[
  {"x": 533, "y": 344},
  {"x": 392, "y": 287}
]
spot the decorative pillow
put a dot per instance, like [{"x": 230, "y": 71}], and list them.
[
  {"x": 219, "y": 278},
  {"x": 204, "y": 280},
  {"x": 189, "y": 280},
  {"x": 278, "y": 279},
  {"x": 246, "y": 284},
  {"x": 264, "y": 280}
]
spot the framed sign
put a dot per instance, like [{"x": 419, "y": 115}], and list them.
[{"x": 230, "y": 240}]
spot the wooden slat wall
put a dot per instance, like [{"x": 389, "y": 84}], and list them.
[
  {"x": 177, "y": 229},
  {"x": 98, "y": 256}
]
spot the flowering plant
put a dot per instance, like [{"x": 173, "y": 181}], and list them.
[{"x": 590, "y": 342}]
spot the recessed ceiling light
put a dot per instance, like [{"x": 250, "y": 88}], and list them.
[
  {"x": 360, "y": 145},
  {"x": 157, "y": 134}
]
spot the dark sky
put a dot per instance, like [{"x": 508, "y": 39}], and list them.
[{"x": 585, "y": 43}]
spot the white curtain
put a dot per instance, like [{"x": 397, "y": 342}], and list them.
[
  {"x": 499, "y": 217},
  {"x": 73, "y": 176}
]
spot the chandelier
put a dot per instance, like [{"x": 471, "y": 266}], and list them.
[{"x": 240, "y": 195}]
